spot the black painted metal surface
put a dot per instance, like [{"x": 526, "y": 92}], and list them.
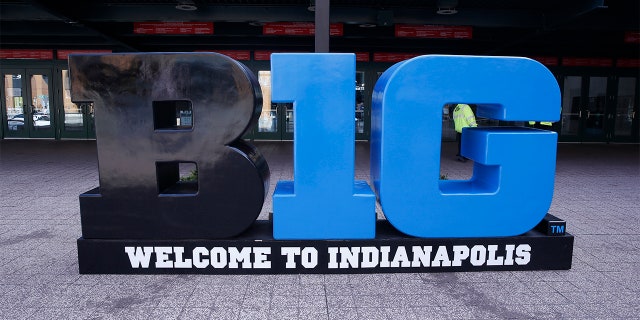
[{"x": 140, "y": 147}]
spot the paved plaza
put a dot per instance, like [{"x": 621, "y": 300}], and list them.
[{"x": 597, "y": 192}]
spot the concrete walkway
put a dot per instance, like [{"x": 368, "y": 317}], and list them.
[{"x": 597, "y": 192}]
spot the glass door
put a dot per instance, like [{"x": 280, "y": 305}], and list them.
[
  {"x": 276, "y": 121},
  {"x": 76, "y": 120},
  {"x": 596, "y": 108},
  {"x": 362, "y": 110},
  {"x": 571, "y": 110},
  {"x": 286, "y": 109},
  {"x": 26, "y": 107},
  {"x": 584, "y": 109},
  {"x": 269, "y": 126},
  {"x": 624, "y": 120},
  {"x": 13, "y": 109}
]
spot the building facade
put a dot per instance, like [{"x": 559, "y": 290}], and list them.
[{"x": 592, "y": 48}]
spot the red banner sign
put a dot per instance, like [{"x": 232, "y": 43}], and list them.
[
  {"x": 628, "y": 63},
  {"x": 434, "y": 32},
  {"x": 173, "y": 28},
  {"x": 587, "y": 62},
  {"x": 299, "y": 29},
  {"x": 547, "y": 61},
  {"x": 392, "y": 56},
  {"x": 262, "y": 55},
  {"x": 243, "y": 55},
  {"x": 632, "y": 37},
  {"x": 362, "y": 56},
  {"x": 26, "y": 54},
  {"x": 64, "y": 54}
]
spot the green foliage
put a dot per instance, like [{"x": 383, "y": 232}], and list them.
[{"x": 193, "y": 176}]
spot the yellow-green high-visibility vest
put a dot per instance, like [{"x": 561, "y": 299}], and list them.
[{"x": 463, "y": 117}]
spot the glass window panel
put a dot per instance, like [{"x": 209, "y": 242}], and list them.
[
  {"x": 268, "y": 121},
  {"x": 14, "y": 102},
  {"x": 73, "y": 119},
  {"x": 594, "y": 124},
  {"x": 40, "y": 102},
  {"x": 360, "y": 89},
  {"x": 571, "y": 105},
  {"x": 625, "y": 106},
  {"x": 289, "y": 117}
]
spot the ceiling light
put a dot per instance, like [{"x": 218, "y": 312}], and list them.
[
  {"x": 186, "y": 5},
  {"x": 447, "y": 6},
  {"x": 447, "y": 11}
]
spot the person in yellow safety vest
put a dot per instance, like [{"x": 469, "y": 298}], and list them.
[
  {"x": 462, "y": 117},
  {"x": 546, "y": 125}
]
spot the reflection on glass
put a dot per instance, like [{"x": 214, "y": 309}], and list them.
[
  {"x": 360, "y": 88},
  {"x": 73, "y": 120},
  {"x": 625, "y": 106},
  {"x": 594, "y": 125},
  {"x": 92, "y": 129},
  {"x": 14, "y": 102},
  {"x": 40, "y": 102},
  {"x": 268, "y": 121},
  {"x": 571, "y": 105},
  {"x": 289, "y": 117}
]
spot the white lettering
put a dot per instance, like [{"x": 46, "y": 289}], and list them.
[
  {"x": 198, "y": 261},
  {"x": 260, "y": 254},
  {"x": 442, "y": 258},
  {"x": 400, "y": 258},
  {"x": 180, "y": 261},
  {"x": 459, "y": 253},
  {"x": 333, "y": 258},
  {"x": 290, "y": 252},
  {"x": 370, "y": 257},
  {"x": 349, "y": 257},
  {"x": 384, "y": 259},
  {"x": 494, "y": 260},
  {"x": 139, "y": 257},
  {"x": 421, "y": 256},
  {"x": 162, "y": 257},
  {"x": 478, "y": 255},
  {"x": 218, "y": 257},
  {"x": 508, "y": 259},
  {"x": 309, "y": 257},
  {"x": 236, "y": 256},
  {"x": 523, "y": 254},
  {"x": 338, "y": 257}
]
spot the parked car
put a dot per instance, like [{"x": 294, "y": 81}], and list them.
[
  {"x": 16, "y": 122},
  {"x": 41, "y": 120}
]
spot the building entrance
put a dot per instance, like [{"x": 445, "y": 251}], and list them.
[
  {"x": 624, "y": 119},
  {"x": 599, "y": 108},
  {"x": 26, "y": 104},
  {"x": 76, "y": 120}
]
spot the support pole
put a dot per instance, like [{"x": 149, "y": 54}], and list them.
[{"x": 322, "y": 26}]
